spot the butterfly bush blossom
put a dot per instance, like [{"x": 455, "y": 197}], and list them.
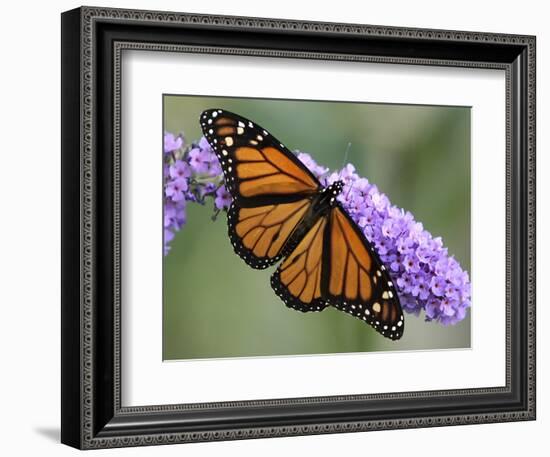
[
  {"x": 192, "y": 173},
  {"x": 426, "y": 276}
]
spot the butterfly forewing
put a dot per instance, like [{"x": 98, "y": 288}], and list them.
[
  {"x": 355, "y": 280},
  {"x": 258, "y": 169}
]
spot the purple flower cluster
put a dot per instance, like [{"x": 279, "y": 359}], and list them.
[
  {"x": 191, "y": 174},
  {"x": 427, "y": 278}
]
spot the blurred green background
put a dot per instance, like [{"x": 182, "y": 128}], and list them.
[{"x": 217, "y": 306}]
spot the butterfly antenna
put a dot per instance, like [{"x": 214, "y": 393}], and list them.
[
  {"x": 348, "y": 147},
  {"x": 345, "y": 158}
]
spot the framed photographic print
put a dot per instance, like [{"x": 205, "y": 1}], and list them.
[{"x": 275, "y": 228}]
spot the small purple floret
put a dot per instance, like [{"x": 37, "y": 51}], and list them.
[
  {"x": 223, "y": 198},
  {"x": 172, "y": 142}
]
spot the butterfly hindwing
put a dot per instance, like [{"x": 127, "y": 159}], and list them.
[
  {"x": 297, "y": 281},
  {"x": 258, "y": 169},
  {"x": 260, "y": 234},
  {"x": 355, "y": 280}
]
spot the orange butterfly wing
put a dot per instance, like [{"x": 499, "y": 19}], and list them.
[
  {"x": 357, "y": 282},
  {"x": 334, "y": 264},
  {"x": 271, "y": 189},
  {"x": 260, "y": 234},
  {"x": 297, "y": 281},
  {"x": 258, "y": 169}
]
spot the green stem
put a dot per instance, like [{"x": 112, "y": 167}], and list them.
[{"x": 207, "y": 179}]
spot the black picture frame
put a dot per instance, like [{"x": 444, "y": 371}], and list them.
[{"x": 92, "y": 415}]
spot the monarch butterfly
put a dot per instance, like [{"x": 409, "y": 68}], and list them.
[{"x": 280, "y": 211}]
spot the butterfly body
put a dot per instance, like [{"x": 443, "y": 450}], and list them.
[
  {"x": 328, "y": 197},
  {"x": 320, "y": 206},
  {"x": 282, "y": 213}
]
